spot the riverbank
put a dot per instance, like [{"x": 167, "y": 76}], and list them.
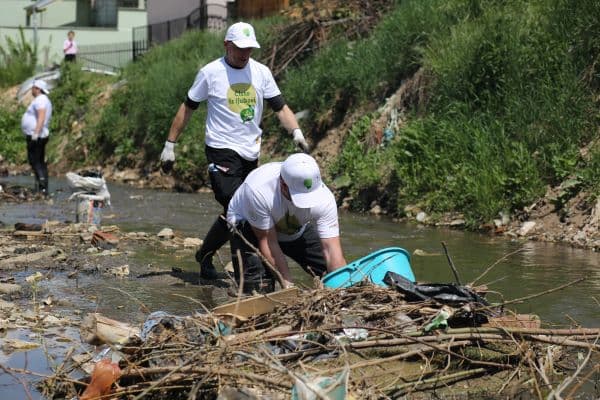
[{"x": 49, "y": 274}]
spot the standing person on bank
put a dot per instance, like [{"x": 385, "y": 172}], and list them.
[
  {"x": 34, "y": 125},
  {"x": 70, "y": 47},
  {"x": 284, "y": 209},
  {"x": 234, "y": 87}
]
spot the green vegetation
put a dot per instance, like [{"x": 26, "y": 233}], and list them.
[
  {"x": 507, "y": 100},
  {"x": 17, "y": 61},
  {"x": 507, "y": 107},
  {"x": 12, "y": 139}
]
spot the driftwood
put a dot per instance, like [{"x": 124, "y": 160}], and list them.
[
  {"x": 9, "y": 263},
  {"x": 98, "y": 329}
]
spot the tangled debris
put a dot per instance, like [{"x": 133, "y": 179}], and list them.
[
  {"x": 363, "y": 342},
  {"x": 317, "y": 22}
]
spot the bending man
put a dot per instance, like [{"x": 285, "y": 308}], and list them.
[{"x": 283, "y": 208}]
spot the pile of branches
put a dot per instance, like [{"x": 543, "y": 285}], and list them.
[
  {"x": 316, "y": 22},
  {"x": 367, "y": 341}
]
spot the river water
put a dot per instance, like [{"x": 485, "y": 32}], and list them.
[{"x": 532, "y": 268}]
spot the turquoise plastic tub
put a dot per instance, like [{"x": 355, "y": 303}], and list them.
[{"x": 372, "y": 267}]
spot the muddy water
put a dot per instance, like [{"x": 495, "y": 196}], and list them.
[{"x": 536, "y": 267}]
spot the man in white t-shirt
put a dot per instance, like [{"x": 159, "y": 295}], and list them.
[
  {"x": 284, "y": 208},
  {"x": 34, "y": 125},
  {"x": 234, "y": 87}
]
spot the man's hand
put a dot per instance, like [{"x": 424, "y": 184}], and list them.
[
  {"x": 299, "y": 140},
  {"x": 34, "y": 137},
  {"x": 167, "y": 157}
]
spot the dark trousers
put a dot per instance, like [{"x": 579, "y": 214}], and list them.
[
  {"x": 36, "y": 155},
  {"x": 70, "y": 57},
  {"x": 306, "y": 251},
  {"x": 226, "y": 170}
]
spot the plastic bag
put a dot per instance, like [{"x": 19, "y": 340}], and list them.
[{"x": 93, "y": 187}]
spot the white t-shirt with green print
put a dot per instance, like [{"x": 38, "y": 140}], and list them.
[
  {"x": 235, "y": 104},
  {"x": 260, "y": 202}
]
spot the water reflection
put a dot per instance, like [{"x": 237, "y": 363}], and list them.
[{"x": 534, "y": 267}]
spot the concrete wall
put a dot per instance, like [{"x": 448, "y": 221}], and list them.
[
  {"x": 50, "y": 40},
  {"x": 56, "y": 14},
  {"x": 161, "y": 10}
]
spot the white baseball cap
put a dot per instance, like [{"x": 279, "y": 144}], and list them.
[
  {"x": 301, "y": 174},
  {"x": 242, "y": 35},
  {"x": 42, "y": 85}
]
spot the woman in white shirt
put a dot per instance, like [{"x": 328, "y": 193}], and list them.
[{"x": 34, "y": 125}]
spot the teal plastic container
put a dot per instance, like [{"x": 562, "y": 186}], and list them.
[{"x": 372, "y": 267}]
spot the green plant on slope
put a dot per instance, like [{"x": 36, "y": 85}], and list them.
[{"x": 17, "y": 60}]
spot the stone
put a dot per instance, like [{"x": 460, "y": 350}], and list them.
[
  {"x": 192, "y": 242},
  {"x": 104, "y": 240},
  {"x": 166, "y": 233},
  {"x": 526, "y": 228}
]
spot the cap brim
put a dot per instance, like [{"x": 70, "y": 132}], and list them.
[
  {"x": 246, "y": 43},
  {"x": 308, "y": 200}
]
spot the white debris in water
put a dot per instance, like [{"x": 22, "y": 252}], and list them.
[{"x": 526, "y": 228}]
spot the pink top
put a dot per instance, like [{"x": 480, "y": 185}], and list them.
[{"x": 70, "y": 47}]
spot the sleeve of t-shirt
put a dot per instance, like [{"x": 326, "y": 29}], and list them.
[
  {"x": 271, "y": 89},
  {"x": 199, "y": 90},
  {"x": 257, "y": 210},
  {"x": 40, "y": 103},
  {"x": 326, "y": 218}
]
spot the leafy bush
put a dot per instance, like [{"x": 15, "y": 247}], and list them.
[
  {"x": 12, "y": 146},
  {"x": 507, "y": 110},
  {"x": 17, "y": 61}
]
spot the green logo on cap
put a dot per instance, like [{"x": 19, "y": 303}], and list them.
[
  {"x": 246, "y": 31},
  {"x": 308, "y": 183}
]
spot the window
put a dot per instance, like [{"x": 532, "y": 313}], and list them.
[{"x": 128, "y": 3}]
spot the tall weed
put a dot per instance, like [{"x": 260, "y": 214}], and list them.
[{"x": 17, "y": 60}]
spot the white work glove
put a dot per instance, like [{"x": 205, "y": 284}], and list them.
[
  {"x": 34, "y": 137},
  {"x": 167, "y": 157},
  {"x": 299, "y": 140}
]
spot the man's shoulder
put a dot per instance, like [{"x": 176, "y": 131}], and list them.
[
  {"x": 258, "y": 65},
  {"x": 41, "y": 100},
  {"x": 214, "y": 65}
]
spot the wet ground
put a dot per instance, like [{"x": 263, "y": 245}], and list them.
[{"x": 537, "y": 267}]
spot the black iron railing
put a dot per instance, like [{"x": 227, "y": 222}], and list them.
[{"x": 203, "y": 17}]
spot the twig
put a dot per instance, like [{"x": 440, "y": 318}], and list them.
[
  {"x": 142, "y": 305},
  {"x": 449, "y": 377},
  {"x": 454, "y": 271},
  {"x": 488, "y": 269},
  {"x": 18, "y": 379},
  {"x": 542, "y": 293},
  {"x": 555, "y": 394},
  {"x": 258, "y": 252}
]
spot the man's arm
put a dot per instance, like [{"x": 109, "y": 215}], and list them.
[
  {"x": 332, "y": 250},
  {"x": 287, "y": 118},
  {"x": 39, "y": 125},
  {"x": 269, "y": 247},
  {"x": 179, "y": 122},
  {"x": 289, "y": 122}
]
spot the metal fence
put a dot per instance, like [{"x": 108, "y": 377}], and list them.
[
  {"x": 203, "y": 17},
  {"x": 111, "y": 57}
]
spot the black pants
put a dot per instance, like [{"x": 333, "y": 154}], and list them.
[
  {"x": 306, "y": 251},
  {"x": 70, "y": 57},
  {"x": 227, "y": 170},
  {"x": 36, "y": 155}
]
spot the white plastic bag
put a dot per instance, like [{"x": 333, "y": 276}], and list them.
[{"x": 93, "y": 188}]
